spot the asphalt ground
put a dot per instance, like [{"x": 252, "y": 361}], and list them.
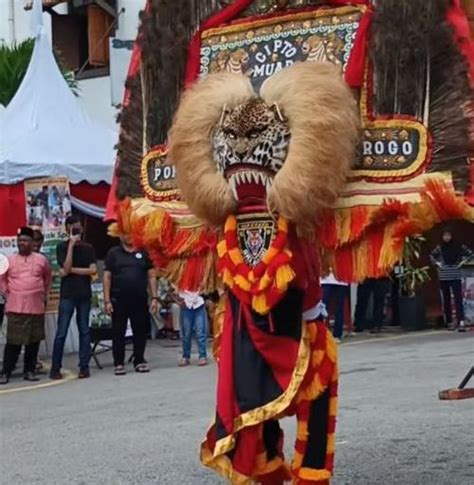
[{"x": 146, "y": 428}]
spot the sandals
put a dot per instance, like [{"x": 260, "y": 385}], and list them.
[
  {"x": 142, "y": 368},
  {"x": 120, "y": 370}
]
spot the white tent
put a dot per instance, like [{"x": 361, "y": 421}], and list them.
[{"x": 45, "y": 132}]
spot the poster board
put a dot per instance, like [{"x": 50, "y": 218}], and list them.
[
  {"x": 48, "y": 204},
  {"x": 469, "y": 295},
  {"x": 98, "y": 317}
]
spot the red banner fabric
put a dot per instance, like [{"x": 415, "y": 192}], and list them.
[{"x": 12, "y": 209}]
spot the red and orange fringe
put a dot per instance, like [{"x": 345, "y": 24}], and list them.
[
  {"x": 184, "y": 255},
  {"x": 367, "y": 241}
]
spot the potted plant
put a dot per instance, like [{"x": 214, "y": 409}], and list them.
[{"x": 411, "y": 304}]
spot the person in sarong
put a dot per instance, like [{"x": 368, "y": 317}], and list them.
[{"x": 26, "y": 285}]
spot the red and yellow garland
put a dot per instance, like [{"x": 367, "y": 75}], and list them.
[{"x": 264, "y": 285}]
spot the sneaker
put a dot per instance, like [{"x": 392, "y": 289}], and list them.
[
  {"x": 55, "y": 375},
  {"x": 184, "y": 362},
  {"x": 4, "y": 379},
  {"x": 462, "y": 326},
  {"x": 202, "y": 362},
  {"x": 376, "y": 330},
  {"x": 84, "y": 374},
  {"x": 337, "y": 340},
  {"x": 30, "y": 376}
]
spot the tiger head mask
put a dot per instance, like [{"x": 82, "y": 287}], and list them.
[{"x": 289, "y": 146}]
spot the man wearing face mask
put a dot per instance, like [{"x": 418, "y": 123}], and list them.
[
  {"x": 77, "y": 263},
  {"x": 128, "y": 275},
  {"x": 27, "y": 282}
]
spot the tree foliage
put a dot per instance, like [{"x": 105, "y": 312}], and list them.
[{"x": 14, "y": 60}]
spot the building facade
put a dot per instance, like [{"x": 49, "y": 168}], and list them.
[{"x": 93, "y": 38}]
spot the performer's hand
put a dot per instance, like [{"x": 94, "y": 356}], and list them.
[
  {"x": 154, "y": 306},
  {"x": 109, "y": 308}
]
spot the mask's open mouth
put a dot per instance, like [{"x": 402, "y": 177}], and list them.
[{"x": 248, "y": 182}]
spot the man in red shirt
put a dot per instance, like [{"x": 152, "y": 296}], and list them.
[{"x": 26, "y": 282}]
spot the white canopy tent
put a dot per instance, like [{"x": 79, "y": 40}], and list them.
[{"x": 45, "y": 132}]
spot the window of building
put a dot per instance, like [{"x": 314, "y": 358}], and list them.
[{"x": 82, "y": 36}]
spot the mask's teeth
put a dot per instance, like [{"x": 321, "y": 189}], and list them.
[
  {"x": 248, "y": 176},
  {"x": 268, "y": 183},
  {"x": 233, "y": 189}
]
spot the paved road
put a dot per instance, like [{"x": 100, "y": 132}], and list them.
[{"x": 145, "y": 429}]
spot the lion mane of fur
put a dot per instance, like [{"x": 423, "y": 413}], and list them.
[{"x": 324, "y": 123}]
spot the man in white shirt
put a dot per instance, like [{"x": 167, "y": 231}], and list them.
[
  {"x": 334, "y": 289},
  {"x": 193, "y": 319}
]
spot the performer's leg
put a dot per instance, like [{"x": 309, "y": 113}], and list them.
[
  {"x": 314, "y": 458},
  {"x": 272, "y": 470}
]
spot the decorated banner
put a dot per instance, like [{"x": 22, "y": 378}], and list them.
[
  {"x": 261, "y": 48},
  {"x": 48, "y": 204},
  {"x": 158, "y": 176},
  {"x": 411, "y": 68},
  {"x": 51, "y": 239}
]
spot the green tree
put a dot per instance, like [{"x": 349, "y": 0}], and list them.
[{"x": 14, "y": 60}]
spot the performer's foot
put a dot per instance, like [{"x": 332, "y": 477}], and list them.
[
  {"x": 30, "y": 376},
  {"x": 184, "y": 362}
]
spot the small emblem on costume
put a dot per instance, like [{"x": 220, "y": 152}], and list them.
[
  {"x": 255, "y": 234},
  {"x": 139, "y": 255}
]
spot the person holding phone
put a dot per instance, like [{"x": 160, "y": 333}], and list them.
[{"x": 77, "y": 264}]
